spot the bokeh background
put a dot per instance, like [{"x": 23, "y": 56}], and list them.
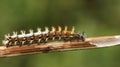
[{"x": 95, "y": 17}]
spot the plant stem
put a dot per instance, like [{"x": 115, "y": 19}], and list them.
[{"x": 94, "y": 42}]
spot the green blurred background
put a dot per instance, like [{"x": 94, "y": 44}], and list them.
[{"x": 95, "y": 17}]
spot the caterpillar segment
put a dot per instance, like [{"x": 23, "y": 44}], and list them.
[{"x": 43, "y": 36}]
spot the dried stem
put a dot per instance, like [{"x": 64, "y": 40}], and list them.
[{"x": 95, "y": 42}]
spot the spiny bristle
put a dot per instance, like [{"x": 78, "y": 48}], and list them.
[
  {"x": 73, "y": 30},
  {"x": 53, "y": 29},
  {"x": 59, "y": 29},
  {"x": 39, "y": 30},
  {"x": 31, "y": 31},
  {"x": 22, "y": 32},
  {"x": 6, "y": 36},
  {"x": 14, "y": 33},
  {"x": 46, "y": 29},
  {"x": 65, "y": 30},
  {"x": 4, "y": 42}
]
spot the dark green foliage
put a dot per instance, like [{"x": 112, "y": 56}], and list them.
[{"x": 95, "y": 17}]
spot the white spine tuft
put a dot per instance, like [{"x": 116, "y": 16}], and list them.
[{"x": 4, "y": 42}]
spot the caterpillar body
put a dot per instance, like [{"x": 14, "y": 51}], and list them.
[{"x": 42, "y": 37}]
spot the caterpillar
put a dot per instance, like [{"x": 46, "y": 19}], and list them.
[{"x": 42, "y": 37}]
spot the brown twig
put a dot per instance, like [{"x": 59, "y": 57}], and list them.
[{"x": 95, "y": 42}]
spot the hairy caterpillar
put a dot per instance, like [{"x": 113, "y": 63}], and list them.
[{"x": 42, "y": 37}]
